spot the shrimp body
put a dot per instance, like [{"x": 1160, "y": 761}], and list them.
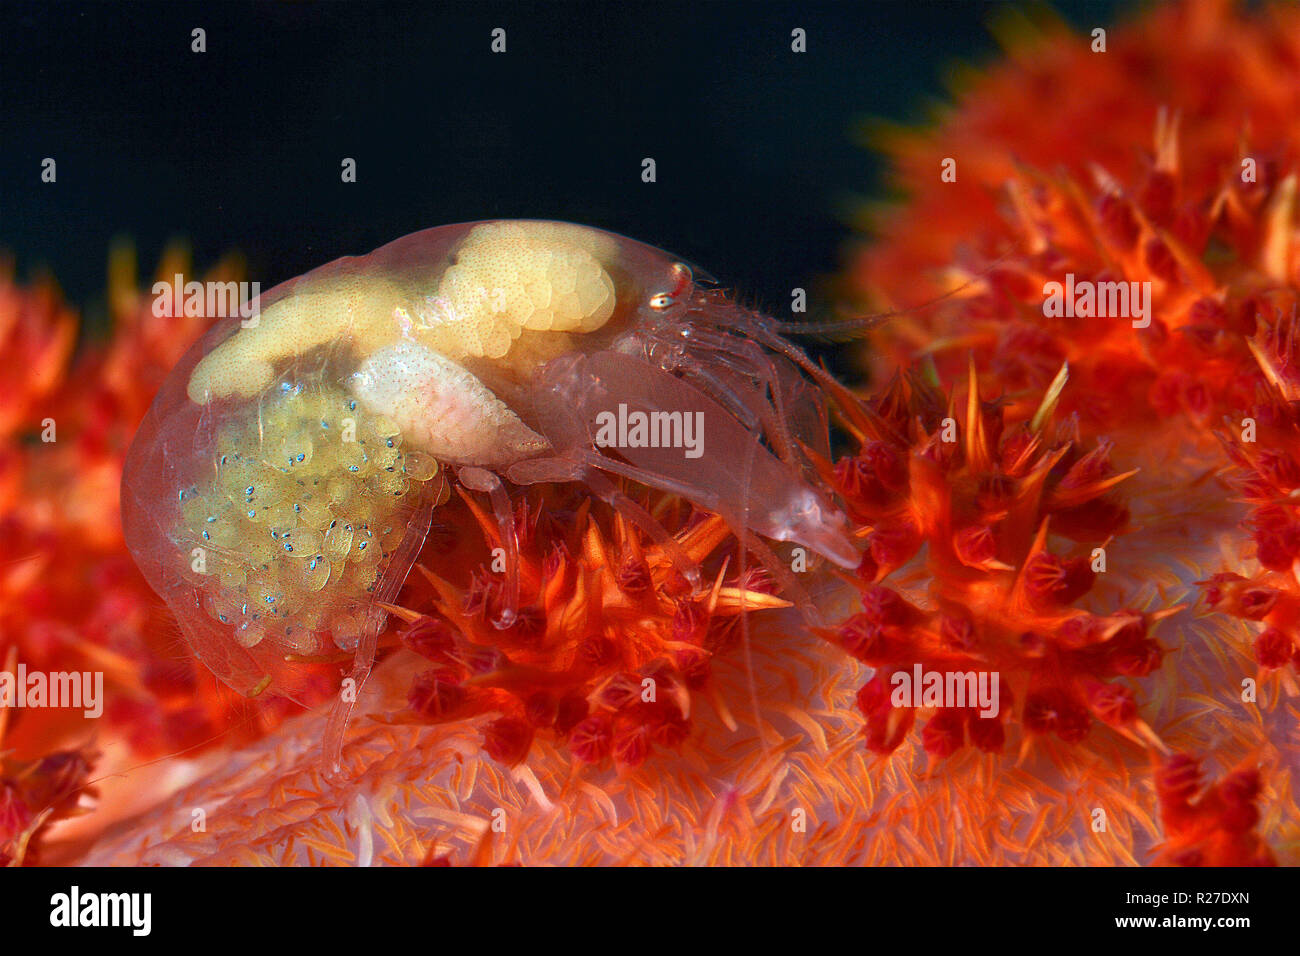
[{"x": 282, "y": 483}]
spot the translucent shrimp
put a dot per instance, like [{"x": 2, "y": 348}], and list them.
[{"x": 282, "y": 483}]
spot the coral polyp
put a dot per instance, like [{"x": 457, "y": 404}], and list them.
[
  {"x": 1179, "y": 201},
  {"x": 1158, "y": 260},
  {"x": 1264, "y": 448},
  {"x": 1015, "y": 521},
  {"x": 612, "y": 645},
  {"x": 1210, "y": 824},
  {"x": 1212, "y": 271}
]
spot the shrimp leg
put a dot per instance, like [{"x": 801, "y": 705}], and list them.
[{"x": 482, "y": 480}]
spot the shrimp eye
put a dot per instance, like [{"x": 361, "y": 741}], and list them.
[{"x": 681, "y": 276}]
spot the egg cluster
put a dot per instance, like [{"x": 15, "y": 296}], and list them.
[{"x": 311, "y": 491}]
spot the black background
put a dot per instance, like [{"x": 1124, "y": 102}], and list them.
[{"x": 240, "y": 147}]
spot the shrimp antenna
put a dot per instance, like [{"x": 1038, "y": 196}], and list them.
[{"x": 843, "y": 330}]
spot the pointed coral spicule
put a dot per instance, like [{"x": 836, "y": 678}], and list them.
[
  {"x": 611, "y": 641},
  {"x": 1001, "y": 512}
]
